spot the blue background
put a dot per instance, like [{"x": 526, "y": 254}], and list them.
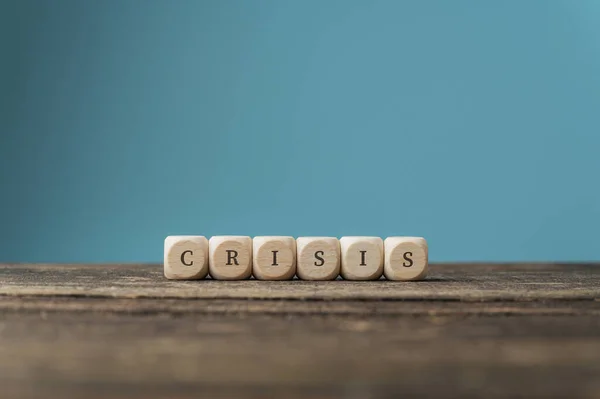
[{"x": 472, "y": 123}]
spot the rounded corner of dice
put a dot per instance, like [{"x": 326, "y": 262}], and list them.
[{"x": 283, "y": 257}]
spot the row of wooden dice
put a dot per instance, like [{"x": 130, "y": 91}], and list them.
[{"x": 282, "y": 257}]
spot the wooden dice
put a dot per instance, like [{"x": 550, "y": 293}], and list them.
[
  {"x": 362, "y": 258},
  {"x": 283, "y": 257},
  {"x": 230, "y": 257},
  {"x": 186, "y": 257},
  {"x": 274, "y": 258},
  {"x": 318, "y": 258},
  {"x": 405, "y": 258}
]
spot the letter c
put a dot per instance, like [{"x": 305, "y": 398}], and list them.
[{"x": 183, "y": 258}]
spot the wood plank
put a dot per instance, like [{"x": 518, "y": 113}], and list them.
[
  {"x": 91, "y": 331},
  {"x": 456, "y": 282},
  {"x": 317, "y": 356},
  {"x": 285, "y": 307}
]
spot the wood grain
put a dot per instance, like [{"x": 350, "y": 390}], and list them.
[
  {"x": 91, "y": 331},
  {"x": 471, "y": 282}
]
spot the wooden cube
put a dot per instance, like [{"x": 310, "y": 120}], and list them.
[
  {"x": 406, "y": 258},
  {"x": 274, "y": 257},
  {"x": 362, "y": 258},
  {"x": 186, "y": 257},
  {"x": 318, "y": 258},
  {"x": 230, "y": 257}
]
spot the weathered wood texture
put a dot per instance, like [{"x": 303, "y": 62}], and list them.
[
  {"x": 445, "y": 282},
  {"x": 93, "y": 331}
]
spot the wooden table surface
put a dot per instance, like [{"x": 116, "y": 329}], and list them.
[{"x": 91, "y": 331}]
